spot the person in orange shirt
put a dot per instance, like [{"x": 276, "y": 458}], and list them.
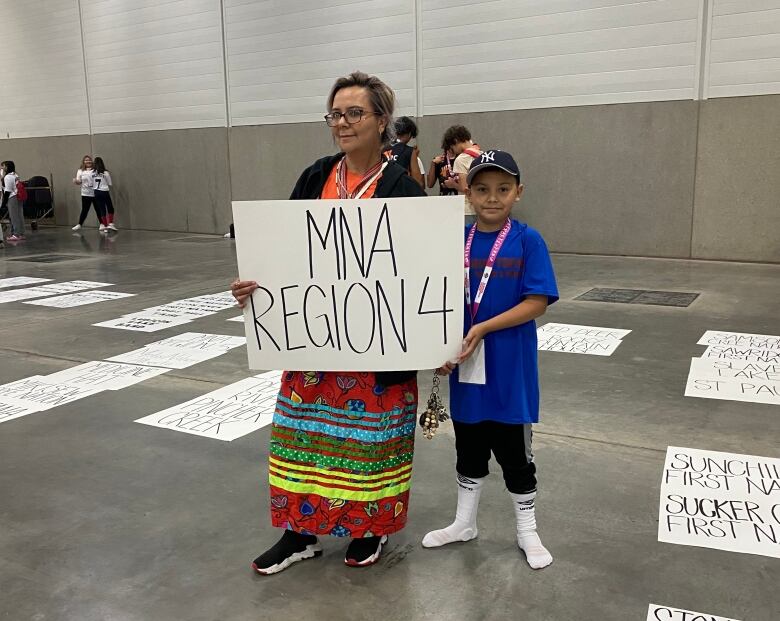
[{"x": 332, "y": 469}]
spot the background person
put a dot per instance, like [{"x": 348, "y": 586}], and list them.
[
  {"x": 103, "y": 203},
  {"x": 11, "y": 202},
  {"x": 458, "y": 140},
  {"x": 85, "y": 177},
  {"x": 404, "y": 154}
]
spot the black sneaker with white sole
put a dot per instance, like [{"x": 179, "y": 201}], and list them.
[
  {"x": 364, "y": 552},
  {"x": 291, "y": 548}
]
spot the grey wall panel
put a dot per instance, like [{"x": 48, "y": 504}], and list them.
[
  {"x": 266, "y": 160},
  {"x": 174, "y": 180},
  {"x": 737, "y": 208},
  {"x": 55, "y": 156},
  {"x": 611, "y": 179}
]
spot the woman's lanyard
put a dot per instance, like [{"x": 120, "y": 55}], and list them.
[
  {"x": 372, "y": 174},
  {"x": 491, "y": 261}
]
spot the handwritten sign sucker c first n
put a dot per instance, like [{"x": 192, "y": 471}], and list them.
[{"x": 358, "y": 285}]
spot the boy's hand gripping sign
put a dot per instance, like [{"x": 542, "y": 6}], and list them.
[{"x": 358, "y": 285}]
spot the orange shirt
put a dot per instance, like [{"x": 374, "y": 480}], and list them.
[{"x": 330, "y": 190}]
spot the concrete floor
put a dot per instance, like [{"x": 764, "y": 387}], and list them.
[{"x": 104, "y": 519}]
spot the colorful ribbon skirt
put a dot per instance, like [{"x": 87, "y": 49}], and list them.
[{"x": 340, "y": 461}]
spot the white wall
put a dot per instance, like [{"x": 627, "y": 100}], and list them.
[
  {"x": 744, "y": 54},
  {"x": 43, "y": 91},
  {"x": 154, "y": 64},
  {"x": 509, "y": 54},
  {"x": 161, "y": 64},
  {"x": 284, "y": 56}
]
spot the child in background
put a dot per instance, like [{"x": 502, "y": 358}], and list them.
[
  {"x": 85, "y": 178},
  {"x": 440, "y": 170},
  {"x": 403, "y": 153},
  {"x": 494, "y": 389},
  {"x": 103, "y": 203}
]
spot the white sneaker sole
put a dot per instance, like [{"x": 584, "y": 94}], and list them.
[
  {"x": 310, "y": 552},
  {"x": 371, "y": 559}
]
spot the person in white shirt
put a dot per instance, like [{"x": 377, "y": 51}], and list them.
[
  {"x": 103, "y": 203},
  {"x": 15, "y": 207},
  {"x": 85, "y": 177}
]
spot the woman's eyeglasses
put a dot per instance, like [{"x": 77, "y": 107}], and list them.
[{"x": 351, "y": 116}]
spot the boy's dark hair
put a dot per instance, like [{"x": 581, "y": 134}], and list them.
[
  {"x": 10, "y": 167},
  {"x": 454, "y": 135},
  {"x": 404, "y": 125},
  {"x": 100, "y": 167}
]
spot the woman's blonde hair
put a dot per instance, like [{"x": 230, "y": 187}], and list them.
[{"x": 381, "y": 95}]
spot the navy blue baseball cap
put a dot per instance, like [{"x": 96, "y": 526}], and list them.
[{"x": 493, "y": 158}]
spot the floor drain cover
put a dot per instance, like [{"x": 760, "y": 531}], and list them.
[
  {"x": 679, "y": 299},
  {"x": 50, "y": 258}
]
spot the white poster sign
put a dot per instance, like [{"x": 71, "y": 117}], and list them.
[
  {"x": 732, "y": 352},
  {"x": 734, "y": 380},
  {"x": 182, "y": 351},
  {"x": 665, "y": 613},
  {"x": 35, "y": 392},
  {"x": 740, "y": 339},
  {"x": 104, "y": 375},
  {"x": 226, "y": 413},
  {"x": 141, "y": 323},
  {"x": 719, "y": 500},
  {"x": 80, "y": 299},
  {"x": 575, "y": 339},
  {"x": 174, "y": 313},
  {"x": 366, "y": 285},
  {"x": 18, "y": 281},
  {"x": 11, "y": 409},
  {"x": 42, "y": 291}
]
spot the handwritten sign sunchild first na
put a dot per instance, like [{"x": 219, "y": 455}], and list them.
[{"x": 358, "y": 285}]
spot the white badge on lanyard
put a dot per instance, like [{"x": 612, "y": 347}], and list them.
[{"x": 472, "y": 371}]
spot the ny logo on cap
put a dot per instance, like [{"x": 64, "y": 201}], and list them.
[{"x": 488, "y": 156}]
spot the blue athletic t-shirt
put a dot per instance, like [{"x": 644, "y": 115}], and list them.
[{"x": 523, "y": 267}]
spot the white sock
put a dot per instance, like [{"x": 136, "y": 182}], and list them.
[
  {"x": 527, "y": 538},
  {"x": 464, "y": 527}
]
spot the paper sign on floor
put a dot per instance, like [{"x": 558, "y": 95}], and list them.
[
  {"x": 720, "y": 500},
  {"x": 226, "y": 413},
  {"x": 35, "y": 391},
  {"x": 19, "y": 281},
  {"x": 740, "y": 339},
  {"x": 80, "y": 299},
  {"x": 11, "y": 409},
  {"x": 575, "y": 339},
  {"x": 182, "y": 351},
  {"x": 734, "y": 380},
  {"x": 736, "y": 366},
  {"x": 665, "y": 613},
  {"x": 104, "y": 375},
  {"x": 48, "y": 290},
  {"x": 142, "y": 324},
  {"x": 175, "y": 313}
]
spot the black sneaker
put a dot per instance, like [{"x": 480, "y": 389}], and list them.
[
  {"x": 364, "y": 552},
  {"x": 291, "y": 548}
]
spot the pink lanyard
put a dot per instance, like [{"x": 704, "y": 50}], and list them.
[
  {"x": 371, "y": 175},
  {"x": 491, "y": 261}
]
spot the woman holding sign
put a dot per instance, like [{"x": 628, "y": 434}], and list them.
[{"x": 340, "y": 461}]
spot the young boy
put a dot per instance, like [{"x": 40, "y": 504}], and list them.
[{"x": 494, "y": 388}]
